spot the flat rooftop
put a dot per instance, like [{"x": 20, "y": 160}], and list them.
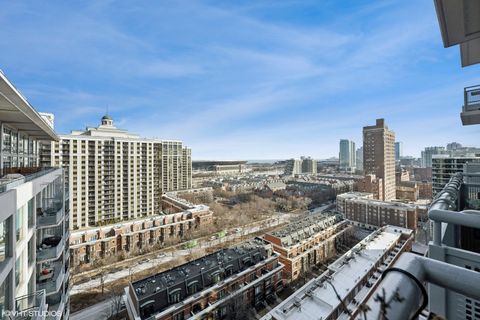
[
  {"x": 149, "y": 286},
  {"x": 304, "y": 228},
  {"x": 317, "y": 299}
]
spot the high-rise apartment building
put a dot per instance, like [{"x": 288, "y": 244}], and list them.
[
  {"x": 34, "y": 259},
  {"x": 444, "y": 167},
  {"x": 309, "y": 165},
  {"x": 379, "y": 156},
  {"x": 428, "y": 153},
  {"x": 360, "y": 159},
  {"x": 305, "y": 165},
  {"x": 114, "y": 175},
  {"x": 347, "y": 155},
  {"x": 398, "y": 150}
]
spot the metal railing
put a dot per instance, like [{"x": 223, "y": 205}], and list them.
[
  {"x": 31, "y": 307},
  {"x": 446, "y": 270}
]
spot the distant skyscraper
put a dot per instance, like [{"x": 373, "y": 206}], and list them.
[
  {"x": 454, "y": 146},
  {"x": 428, "y": 153},
  {"x": 347, "y": 156},
  {"x": 398, "y": 150},
  {"x": 305, "y": 165},
  {"x": 360, "y": 158},
  {"x": 379, "y": 155},
  {"x": 309, "y": 165}
]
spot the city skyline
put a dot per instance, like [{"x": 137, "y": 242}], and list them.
[{"x": 271, "y": 82}]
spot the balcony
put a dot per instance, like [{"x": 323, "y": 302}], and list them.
[
  {"x": 51, "y": 248},
  {"x": 56, "y": 302},
  {"x": 452, "y": 269},
  {"x": 471, "y": 107},
  {"x": 31, "y": 307},
  {"x": 50, "y": 277},
  {"x": 13, "y": 177},
  {"x": 53, "y": 213}
]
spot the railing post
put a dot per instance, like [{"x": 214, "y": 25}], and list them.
[{"x": 437, "y": 233}]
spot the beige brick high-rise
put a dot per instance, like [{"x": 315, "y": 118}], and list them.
[
  {"x": 114, "y": 175},
  {"x": 379, "y": 156}
]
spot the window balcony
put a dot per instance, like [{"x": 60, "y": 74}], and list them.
[
  {"x": 50, "y": 277},
  {"x": 51, "y": 248},
  {"x": 56, "y": 302},
  {"x": 471, "y": 107},
  {"x": 52, "y": 215},
  {"x": 13, "y": 177},
  {"x": 31, "y": 306}
]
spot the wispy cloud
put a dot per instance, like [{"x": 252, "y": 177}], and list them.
[{"x": 240, "y": 79}]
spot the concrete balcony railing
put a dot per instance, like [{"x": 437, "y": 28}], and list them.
[
  {"x": 30, "y": 307},
  {"x": 52, "y": 253},
  {"x": 54, "y": 283}
]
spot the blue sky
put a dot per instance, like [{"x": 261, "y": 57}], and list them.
[{"x": 241, "y": 79}]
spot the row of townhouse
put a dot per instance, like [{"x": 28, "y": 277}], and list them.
[
  {"x": 97, "y": 243},
  {"x": 226, "y": 284},
  {"x": 308, "y": 243}
]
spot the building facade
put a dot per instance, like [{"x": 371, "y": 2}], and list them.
[
  {"x": 309, "y": 165},
  {"x": 428, "y": 153},
  {"x": 445, "y": 166},
  {"x": 398, "y": 150},
  {"x": 347, "y": 156},
  {"x": 307, "y": 243},
  {"x": 113, "y": 175},
  {"x": 359, "y": 155},
  {"x": 217, "y": 286},
  {"x": 371, "y": 184},
  {"x": 34, "y": 259},
  {"x": 91, "y": 244},
  {"x": 305, "y": 165},
  {"x": 364, "y": 211},
  {"x": 379, "y": 156}
]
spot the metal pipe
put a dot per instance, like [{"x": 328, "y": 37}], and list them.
[
  {"x": 442, "y": 274},
  {"x": 467, "y": 218}
]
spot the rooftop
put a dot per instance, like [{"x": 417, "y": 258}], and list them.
[
  {"x": 317, "y": 299},
  {"x": 223, "y": 258},
  {"x": 304, "y": 228}
]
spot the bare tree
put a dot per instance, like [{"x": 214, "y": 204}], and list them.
[{"x": 115, "y": 301}]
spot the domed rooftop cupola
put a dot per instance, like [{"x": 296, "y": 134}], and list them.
[{"x": 107, "y": 120}]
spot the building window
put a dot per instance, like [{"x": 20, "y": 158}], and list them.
[
  {"x": 18, "y": 271},
  {"x": 215, "y": 277},
  {"x": 174, "y": 296},
  {"x": 19, "y": 224},
  {"x": 193, "y": 287},
  {"x": 4, "y": 239}
]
